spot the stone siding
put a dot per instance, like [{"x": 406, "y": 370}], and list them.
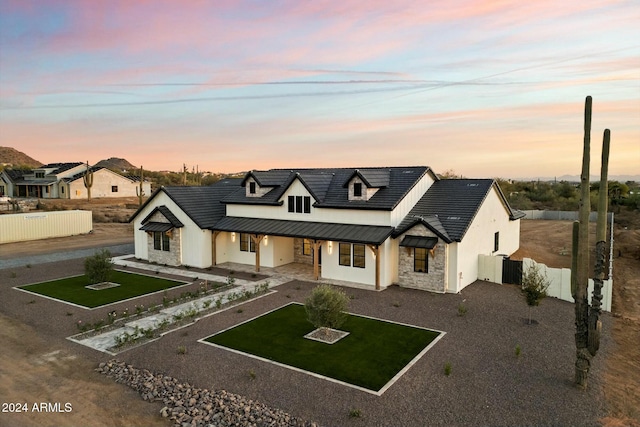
[
  {"x": 431, "y": 281},
  {"x": 367, "y": 192},
  {"x": 298, "y": 256},
  {"x": 171, "y": 257}
]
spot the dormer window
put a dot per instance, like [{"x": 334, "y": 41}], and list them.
[
  {"x": 357, "y": 189},
  {"x": 39, "y": 174},
  {"x": 252, "y": 188}
]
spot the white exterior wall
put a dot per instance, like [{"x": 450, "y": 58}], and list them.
[
  {"x": 479, "y": 239},
  {"x": 195, "y": 243},
  {"x": 338, "y": 216},
  {"x": 410, "y": 199},
  {"x": 331, "y": 269},
  {"x": 103, "y": 180},
  {"x": 43, "y": 225}
]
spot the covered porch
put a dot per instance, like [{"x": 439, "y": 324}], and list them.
[{"x": 323, "y": 241}]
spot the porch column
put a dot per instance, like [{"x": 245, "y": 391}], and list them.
[
  {"x": 317, "y": 245},
  {"x": 214, "y": 258},
  {"x": 376, "y": 255},
  {"x": 257, "y": 238}
]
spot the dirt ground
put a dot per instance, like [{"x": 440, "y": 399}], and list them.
[
  {"x": 34, "y": 370},
  {"x": 549, "y": 242}
]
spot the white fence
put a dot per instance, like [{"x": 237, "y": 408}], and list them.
[
  {"x": 562, "y": 215},
  {"x": 490, "y": 269},
  {"x": 42, "y": 225}
]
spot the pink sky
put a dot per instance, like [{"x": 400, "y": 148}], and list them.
[{"x": 487, "y": 88}]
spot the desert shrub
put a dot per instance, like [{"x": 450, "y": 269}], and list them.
[
  {"x": 98, "y": 267},
  {"x": 326, "y": 307},
  {"x": 534, "y": 286}
]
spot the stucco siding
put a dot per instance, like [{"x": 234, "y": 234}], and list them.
[
  {"x": 104, "y": 182},
  {"x": 492, "y": 218},
  {"x": 338, "y": 216},
  {"x": 410, "y": 199}
]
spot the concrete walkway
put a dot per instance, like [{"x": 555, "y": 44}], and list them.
[{"x": 104, "y": 341}]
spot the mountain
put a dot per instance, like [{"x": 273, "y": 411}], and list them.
[
  {"x": 11, "y": 157},
  {"x": 116, "y": 163}
]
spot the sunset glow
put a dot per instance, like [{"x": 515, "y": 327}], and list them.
[{"x": 486, "y": 88}]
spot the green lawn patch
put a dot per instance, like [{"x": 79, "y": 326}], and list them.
[
  {"x": 72, "y": 289},
  {"x": 371, "y": 355}
]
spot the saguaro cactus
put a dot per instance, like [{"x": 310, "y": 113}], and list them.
[
  {"x": 140, "y": 192},
  {"x": 588, "y": 325},
  {"x": 88, "y": 181}
]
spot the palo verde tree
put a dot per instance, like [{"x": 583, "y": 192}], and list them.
[
  {"x": 326, "y": 307},
  {"x": 588, "y": 324},
  {"x": 534, "y": 286}
]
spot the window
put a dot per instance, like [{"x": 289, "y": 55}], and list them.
[
  {"x": 358, "y": 256},
  {"x": 496, "y": 241},
  {"x": 114, "y": 188},
  {"x": 299, "y": 204},
  {"x": 161, "y": 241},
  {"x": 246, "y": 243},
  {"x": 39, "y": 174},
  {"x": 61, "y": 190},
  {"x": 420, "y": 260},
  {"x": 357, "y": 189},
  {"x": 345, "y": 254},
  {"x": 306, "y": 247},
  {"x": 252, "y": 188}
]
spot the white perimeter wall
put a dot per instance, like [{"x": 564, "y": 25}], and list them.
[
  {"x": 479, "y": 239},
  {"x": 559, "y": 278},
  {"x": 195, "y": 243},
  {"x": 42, "y": 225}
]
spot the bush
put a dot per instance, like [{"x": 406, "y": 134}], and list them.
[
  {"x": 98, "y": 267},
  {"x": 326, "y": 307},
  {"x": 534, "y": 286}
]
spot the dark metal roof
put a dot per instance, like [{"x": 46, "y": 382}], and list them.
[
  {"x": 60, "y": 167},
  {"x": 157, "y": 226},
  {"x": 367, "y": 234},
  {"x": 373, "y": 178},
  {"x": 326, "y": 186},
  {"x": 201, "y": 204},
  {"x": 453, "y": 203},
  {"x": 166, "y": 212},
  {"x": 419, "y": 242}
]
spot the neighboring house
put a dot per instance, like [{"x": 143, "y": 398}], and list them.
[
  {"x": 64, "y": 181},
  {"x": 372, "y": 226}
]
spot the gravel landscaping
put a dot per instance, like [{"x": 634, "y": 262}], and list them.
[{"x": 488, "y": 385}]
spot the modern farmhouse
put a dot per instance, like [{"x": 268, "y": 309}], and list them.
[
  {"x": 372, "y": 226},
  {"x": 65, "y": 181}
]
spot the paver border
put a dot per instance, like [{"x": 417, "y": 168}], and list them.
[
  {"x": 380, "y": 392},
  {"x": 19, "y": 288}
]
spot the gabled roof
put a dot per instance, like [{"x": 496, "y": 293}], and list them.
[
  {"x": 14, "y": 174},
  {"x": 450, "y": 205},
  {"x": 373, "y": 178},
  {"x": 326, "y": 185},
  {"x": 201, "y": 204},
  {"x": 166, "y": 212}
]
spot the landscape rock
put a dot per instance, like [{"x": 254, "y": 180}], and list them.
[{"x": 187, "y": 405}]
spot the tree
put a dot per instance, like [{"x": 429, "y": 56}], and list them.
[
  {"x": 326, "y": 307},
  {"x": 534, "y": 286},
  {"x": 98, "y": 267}
]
